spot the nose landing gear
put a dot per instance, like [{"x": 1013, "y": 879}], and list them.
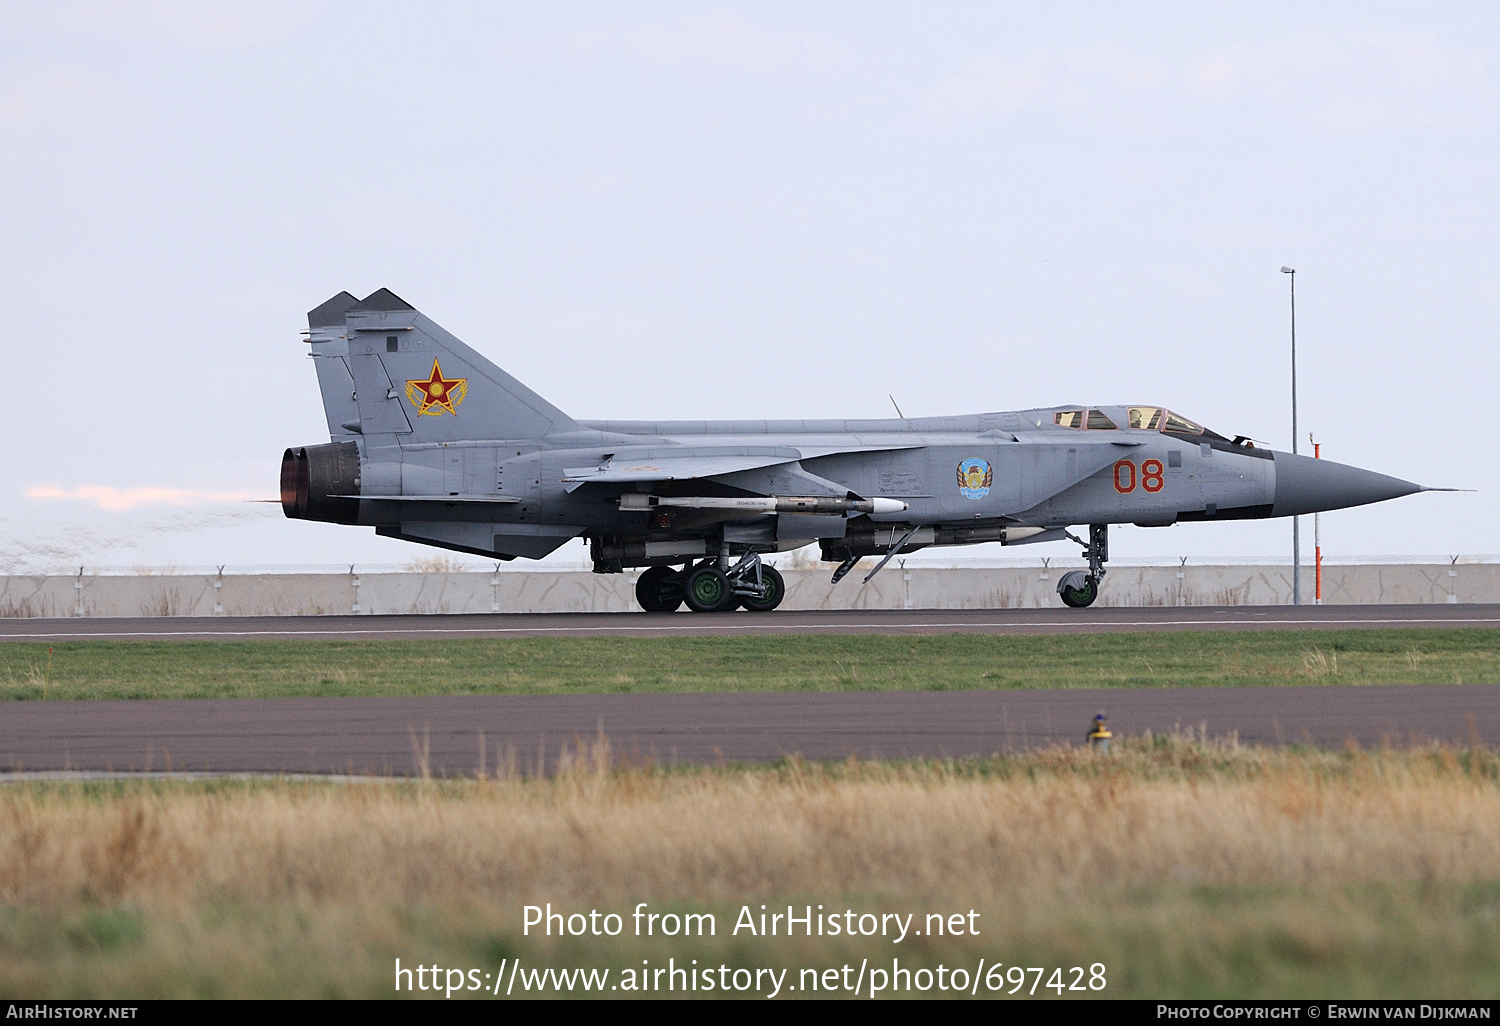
[{"x": 1079, "y": 588}]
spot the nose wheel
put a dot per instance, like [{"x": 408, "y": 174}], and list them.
[{"x": 1079, "y": 588}]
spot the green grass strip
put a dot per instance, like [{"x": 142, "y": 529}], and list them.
[{"x": 264, "y": 669}]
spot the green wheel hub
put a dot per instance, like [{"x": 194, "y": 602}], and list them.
[
  {"x": 1078, "y": 598},
  {"x": 708, "y": 589}
]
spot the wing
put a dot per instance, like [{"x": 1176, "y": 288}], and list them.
[
  {"x": 669, "y": 465},
  {"x": 681, "y": 468}
]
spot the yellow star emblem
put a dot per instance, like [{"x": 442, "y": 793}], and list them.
[{"x": 436, "y": 393}]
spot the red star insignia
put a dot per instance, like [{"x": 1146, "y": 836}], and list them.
[{"x": 437, "y": 393}]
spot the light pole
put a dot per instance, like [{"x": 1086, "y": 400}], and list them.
[
  {"x": 1317, "y": 536},
  {"x": 1296, "y": 533}
]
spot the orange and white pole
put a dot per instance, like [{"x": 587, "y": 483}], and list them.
[{"x": 1317, "y": 539}]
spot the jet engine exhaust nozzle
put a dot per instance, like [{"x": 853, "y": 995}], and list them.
[{"x": 317, "y": 480}]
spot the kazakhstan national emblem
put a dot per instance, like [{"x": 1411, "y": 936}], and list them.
[
  {"x": 975, "y": 478},
  {"x": 436, "y": 394}
]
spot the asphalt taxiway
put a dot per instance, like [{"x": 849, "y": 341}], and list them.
[{"x": 460, "y": 735}]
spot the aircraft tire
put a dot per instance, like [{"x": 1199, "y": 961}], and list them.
[
  {"x": 1078, "y": 598},
  {"x": 774, "y": 593},
  {"x": 659, "y": 589},
  {"x": 706, "y": 590}
]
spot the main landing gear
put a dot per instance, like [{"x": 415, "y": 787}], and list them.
[
  {"x": 659, "y": 589},
  {"x": 706, "y": 588},
  {"x": 1079, "y": 588}
]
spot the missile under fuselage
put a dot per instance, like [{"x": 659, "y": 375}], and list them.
[{"x": 825, "y": 504}]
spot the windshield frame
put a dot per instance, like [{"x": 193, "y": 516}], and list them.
[{"x": 1163, "y": 415}]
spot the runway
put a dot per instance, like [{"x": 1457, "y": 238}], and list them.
[
  {"x": 1099, "y": 620},
  {"x": 458, "y": 735},
  {"x": 454, "y": 735}
]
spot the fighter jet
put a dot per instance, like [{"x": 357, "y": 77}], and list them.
[{"x": 434, "y": 444}]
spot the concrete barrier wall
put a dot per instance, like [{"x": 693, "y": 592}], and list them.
[{"x": 807, "y": 588}]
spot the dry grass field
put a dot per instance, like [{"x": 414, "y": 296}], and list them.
[{"x": 1189, "y": 867}]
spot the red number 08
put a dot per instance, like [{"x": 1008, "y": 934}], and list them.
[{"x": 1151, "y": 476}]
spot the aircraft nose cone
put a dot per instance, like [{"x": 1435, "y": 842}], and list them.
[{"x": 1306, "y": 485}]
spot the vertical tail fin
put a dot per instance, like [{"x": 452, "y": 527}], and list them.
[{"x": 386, "y": 369}]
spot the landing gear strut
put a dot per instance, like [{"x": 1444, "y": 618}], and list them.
[
  {"x": 1079, "y": 588},
  {"x": 708, "y": 589},
  {"x": 760, "y": 588}
]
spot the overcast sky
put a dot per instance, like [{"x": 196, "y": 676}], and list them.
[{"x": 743, "y": 210}]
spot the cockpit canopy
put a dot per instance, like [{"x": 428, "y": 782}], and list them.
[
  {"x": 1138, "y": 418},
  {"x": 1090, "y": 420}
]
